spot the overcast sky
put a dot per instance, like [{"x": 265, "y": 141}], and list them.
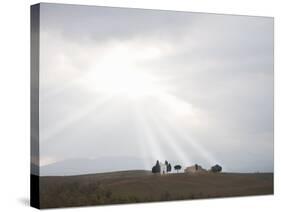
[{"x": 186, "y": 87}]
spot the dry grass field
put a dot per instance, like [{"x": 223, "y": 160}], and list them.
[{"x": 143, "y": 186}]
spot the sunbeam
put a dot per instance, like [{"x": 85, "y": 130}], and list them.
[
  {"x": 141, "y": 143},
  {"x": 152, "y": 146},
  {"x": 181, "y": 132},
  {"x": 65, "y": 87},
  {"x": 168, "y": 139},
  {"x": 64, "y": 124}
]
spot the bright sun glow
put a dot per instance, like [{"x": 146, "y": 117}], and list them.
[
  {"x": 126, "y": 82},
  {"x": 117, "y": 72},
  {"x": 123, "y": 70}
]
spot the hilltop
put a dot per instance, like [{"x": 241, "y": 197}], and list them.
[{"x": 143, "y": 186}]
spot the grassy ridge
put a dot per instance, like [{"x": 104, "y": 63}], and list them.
[{"x": 142, "y": 186}]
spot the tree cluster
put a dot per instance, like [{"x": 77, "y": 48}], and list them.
[
  {"x": 156, "y": 168},
  {"x": 216, "y": 168},
  {"x": 168, "y": 166}
]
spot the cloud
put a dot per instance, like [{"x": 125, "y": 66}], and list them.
[{"x": 213, "y": 74}]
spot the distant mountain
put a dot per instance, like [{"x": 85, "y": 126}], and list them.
[
  {"x": 89, "y": 166},
  {"x": 34, "y": 169}
]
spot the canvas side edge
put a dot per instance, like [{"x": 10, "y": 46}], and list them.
[{"x": 34, "y": 105}]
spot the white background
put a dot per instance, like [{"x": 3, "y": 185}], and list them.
[{"x": 15, "y": 106}]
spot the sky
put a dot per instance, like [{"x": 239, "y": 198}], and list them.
[{"x": 156, "y": 85}]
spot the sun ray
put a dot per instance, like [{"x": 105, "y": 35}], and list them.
[
  {"x": 153, "y": 148},
  {"x": 142, "y": 147},
  {"x": 78, "y": 82},
  {"x": 169, "y": 139},
  {"x": 181, "y": 132},
  {"x": 48, "y": 133}
]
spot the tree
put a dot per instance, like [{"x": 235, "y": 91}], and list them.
[
  {"x": 177, "y": 167},
  {"x": 216, "y": 168},
  {"x": 169, "y": 168},
  {"x": 156, "y": 168}
]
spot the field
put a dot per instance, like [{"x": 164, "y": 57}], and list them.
[{"x": 143, "y": 186}]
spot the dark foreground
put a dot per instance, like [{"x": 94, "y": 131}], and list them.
[{"x": 142, "y": 186}]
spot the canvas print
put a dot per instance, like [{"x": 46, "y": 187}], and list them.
[{"x": 137, "y": 105}]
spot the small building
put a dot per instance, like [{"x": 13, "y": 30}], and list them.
[
  {"x": 194, "y": 169},
  {"x": 163, "y": 168}
]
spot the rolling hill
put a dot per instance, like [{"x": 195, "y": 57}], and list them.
[
  {"x": 87, "y": 166},
  {"x": 143, "y": 186}
]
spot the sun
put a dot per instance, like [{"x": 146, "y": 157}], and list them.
[
  {"x": 118, "y": 74},
  {"x": 126, "y": 82}
]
